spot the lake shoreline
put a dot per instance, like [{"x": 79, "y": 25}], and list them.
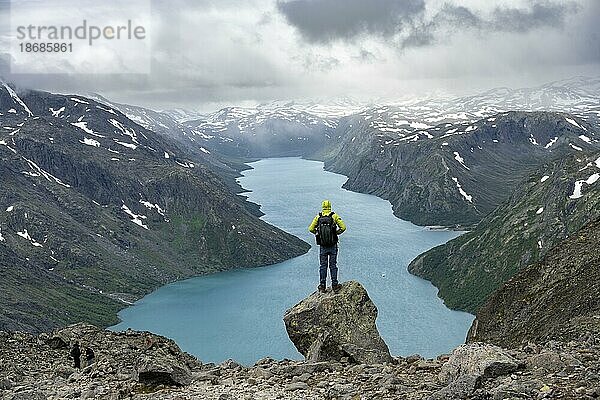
[{"x": 350, "y": 245}]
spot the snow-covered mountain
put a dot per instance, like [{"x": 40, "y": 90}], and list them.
[
  {"x": 577, "y": 96},
  {"x": 303, "y": 127}
]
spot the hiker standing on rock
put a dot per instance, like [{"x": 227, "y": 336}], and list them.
[
  {"x": 76, "y": 354},
  {"x": 327, "y": 225}
]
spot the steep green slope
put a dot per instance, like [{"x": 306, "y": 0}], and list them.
[
  {"x": 96, "y": 211},
  {"x": 555, "y": 299},
  {"x": 552, "y": 204}
]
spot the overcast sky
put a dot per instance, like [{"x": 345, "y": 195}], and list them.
[{"x": 210, "y": 53}]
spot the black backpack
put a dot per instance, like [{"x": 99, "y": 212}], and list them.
[{"x": 326, "y": 230}]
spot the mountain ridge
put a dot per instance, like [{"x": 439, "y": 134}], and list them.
[{"x": 102, "y": 211}]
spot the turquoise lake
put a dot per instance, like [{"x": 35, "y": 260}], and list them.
[{"x": 238, "y": 314}]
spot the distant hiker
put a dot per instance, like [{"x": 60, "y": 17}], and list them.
[
  {"x": 327, "y": 225},
  {"x": 76, "y": 354},
  {"x": 89, "y": 356}
]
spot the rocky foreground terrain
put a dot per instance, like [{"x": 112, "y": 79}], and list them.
[{"x": 140, "y": 365}]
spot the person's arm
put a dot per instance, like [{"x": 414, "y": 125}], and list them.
[
  {"x": 313, "y": 225},
  {"x": 340, "y": 223}
]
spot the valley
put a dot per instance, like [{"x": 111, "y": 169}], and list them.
[{"x": 104, "y": 202}]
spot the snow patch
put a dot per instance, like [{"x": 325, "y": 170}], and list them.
[
  {"x": 575, "y": 147},
  {"x": 56, "y": 113},
  {"x": 166, "y": 155},
  {"x": 185, "y": 164},
  {"x": 464, "y": 194},
  {"x": 128, "y": 145},
  {"x": 25, "y": 235},
  {"x": 90, "y": 142},
  {"x": 204, "y": 150},
  {"x": 76, "y": 100},
  {"x": 551, "y": 142},
  {"x": 110, "y": 110},
  {"x": 45, "y": 174},
  {"x": 124, "y": 130},
  {"x": 83, "y": 126},
  {"x": 585, "y": 138},
  {"x": 572, "y": 122},
  {"x": 461, "y": 160},
  {"x": 151, "y": 206},
  {"x": 579, "y": 185},
  {"x": 136, "y": 219},
  {"x": 419, "y": 125},
  {"x": 10, "y": 208},
  {"x": 533, "y": 141},
  {"x": 540, "y": 210},
  {"x": 544, "y": 178}
]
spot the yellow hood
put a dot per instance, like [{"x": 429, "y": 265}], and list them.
[{"x": 326, "y": 205}]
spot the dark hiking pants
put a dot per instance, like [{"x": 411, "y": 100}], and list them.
[{"x": 328, "y": 258}]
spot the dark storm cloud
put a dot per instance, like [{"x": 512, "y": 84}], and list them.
[
  {"x": 326, "y": 20},
  {"x": 211, "y": 53},
  {"x": 540, "y": 14},
  {"x": 329, "y": 20}
]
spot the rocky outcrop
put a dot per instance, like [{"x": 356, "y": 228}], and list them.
[
  {"x": 334, "y": 326},
  {"x": 556, "y": 298},
  {"x": 142, "y": 366}
]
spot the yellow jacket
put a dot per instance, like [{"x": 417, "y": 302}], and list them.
[{"x": 326, "y": 205}]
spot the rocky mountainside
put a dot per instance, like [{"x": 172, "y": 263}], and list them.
[
  {"x": 137, "y": 365},
  {"x": 552, "y": 204},
  {"x": 456, "y": 173},
  {"x": 96, "y": 211},
  {"x": 556, "y": 298},
  {"x": 263, "y": 132},
  {"x": 269, "y": 130},
  {"x": 450, "y": 161},
  {"x": 171, "y": 124}
]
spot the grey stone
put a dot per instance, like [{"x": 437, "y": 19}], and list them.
[
  {"x": 6, "y": 384},
  {"x": 478, "y": 359},
  {"x": 331, "y": 326},
  {"x": 302, "y": 378},
  {"x": 162, "y": 371},
  {"x": 259, "y": 372},
  {"x": 29, "y": 395},
  {"x": 458, "y": 389},
  {"x": 546, "y": 361},
  {"x": 296, "y": 386}
]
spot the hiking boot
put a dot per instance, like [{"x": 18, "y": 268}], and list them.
[
  {"x": 321, "y": 288},
  {"x": 336, "y": 288}
]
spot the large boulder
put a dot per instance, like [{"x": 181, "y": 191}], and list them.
[
  {"x": 467, "y": 368},
  {"x": 162, "y": 370},
  {"x": 478, "y": 359},
  {"x": 332, "y": 326}
]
